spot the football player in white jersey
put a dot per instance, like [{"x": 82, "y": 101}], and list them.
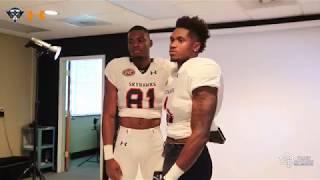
[
  {"x": 190, "y": 103},
  {"x": 135, "y": 87}
]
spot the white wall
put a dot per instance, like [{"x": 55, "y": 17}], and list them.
[{"x": 270, "y": 114}]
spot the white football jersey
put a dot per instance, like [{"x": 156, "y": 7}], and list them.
[
  {"x": 194, "y": 73},
  {"x": 139, "y": 94}
]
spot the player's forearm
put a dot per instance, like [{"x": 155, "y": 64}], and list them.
[
  {"x": 203, "y": 109},
  {"x": 108, "y": 129},
  {"x": 192, "y": 150},
  {"x": 109, "y": 112}
]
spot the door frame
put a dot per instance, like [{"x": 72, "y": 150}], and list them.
[{"x": 61, "y": 108}]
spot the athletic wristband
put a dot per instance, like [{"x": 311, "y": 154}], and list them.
[
  {"x": 108, "y": 152},
  {"x": 174, "y": 173}
]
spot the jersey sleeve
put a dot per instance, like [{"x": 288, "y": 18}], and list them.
[
  {"x": 111, "y": 72},
  {"x": 205, "y": 74}
]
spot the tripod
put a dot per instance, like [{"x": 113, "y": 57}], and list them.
[
  {"x": 95, "y": 120},
  {"x": 34, "y": 166}
]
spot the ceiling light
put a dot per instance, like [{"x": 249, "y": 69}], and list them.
[{"x": 51, "y": 12}]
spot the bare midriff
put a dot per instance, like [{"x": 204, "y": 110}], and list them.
[{"x": 139, "y": 123}]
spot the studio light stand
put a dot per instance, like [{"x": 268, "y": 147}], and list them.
[{"x": 42, "y": 49}]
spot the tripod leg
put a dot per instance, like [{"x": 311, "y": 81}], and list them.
[
  {"x": 41, "y": 176},
  {"x": 24, "y": 172},
  {"x": 85, "y": 160}
]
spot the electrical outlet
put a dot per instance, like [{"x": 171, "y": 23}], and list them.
[{"x": 1, "y": 111}]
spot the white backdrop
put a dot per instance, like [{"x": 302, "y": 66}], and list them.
[{"x": 271, "y": 110}]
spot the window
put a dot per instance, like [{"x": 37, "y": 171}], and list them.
[{"x": 86, "y": 86}]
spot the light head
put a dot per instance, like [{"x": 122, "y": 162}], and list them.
[{"x": 44, "y": 47}]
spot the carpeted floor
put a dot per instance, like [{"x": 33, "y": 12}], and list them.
[{"x": 87, "y": 171}]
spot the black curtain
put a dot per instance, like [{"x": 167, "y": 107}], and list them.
[{"x": 112, "y": 46}]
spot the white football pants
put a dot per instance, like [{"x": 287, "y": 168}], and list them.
[{"x": 139, "y": 148}]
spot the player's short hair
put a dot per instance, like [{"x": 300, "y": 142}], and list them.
[
  {"x": 197, "y": 27},
  {"x": 139, "y": 28}
]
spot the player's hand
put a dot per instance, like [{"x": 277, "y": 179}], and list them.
[{"x": 113, "y": 169}]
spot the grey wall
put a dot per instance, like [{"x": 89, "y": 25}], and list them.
[{"x": 82, "y": 135}]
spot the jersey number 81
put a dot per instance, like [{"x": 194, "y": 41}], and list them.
[{"x": 135, "y": 97}]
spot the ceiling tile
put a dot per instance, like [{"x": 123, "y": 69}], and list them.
[
  {"x": 153, "y": 10},
  {"x": 273, "y": 9},
  {"x": 8, "y": 25},
  {"x": 310, "y": 6},
  {"x": 215, "y": 11}
]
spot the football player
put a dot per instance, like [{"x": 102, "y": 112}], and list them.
[
  {"x": 190, "y": 103},
  {"x": 135, "y": 86}
]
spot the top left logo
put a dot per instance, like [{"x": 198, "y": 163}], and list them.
[{"x": 15, "y": 13}]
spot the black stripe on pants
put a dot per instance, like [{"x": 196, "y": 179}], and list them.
[{"x": 201, "y": 169}]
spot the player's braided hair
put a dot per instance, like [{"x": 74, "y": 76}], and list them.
[{"x": 197, "y": 28}]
